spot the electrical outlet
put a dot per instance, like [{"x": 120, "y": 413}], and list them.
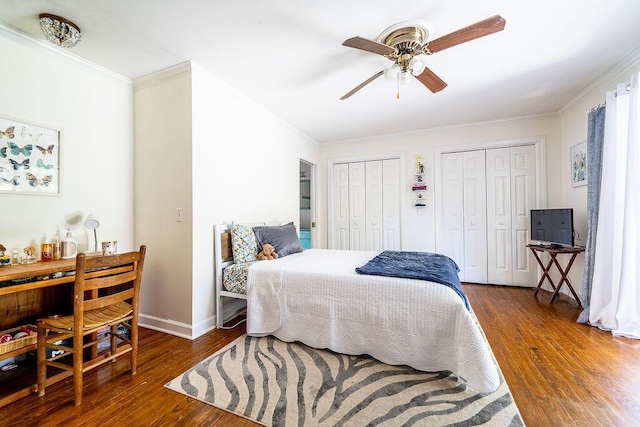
[{"x": 179, "y": 215}]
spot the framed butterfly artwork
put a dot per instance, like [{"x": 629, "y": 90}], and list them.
[{"x": 29, "y": 158}]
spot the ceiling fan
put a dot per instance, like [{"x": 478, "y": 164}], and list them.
[{"x": 406, "y": 45}]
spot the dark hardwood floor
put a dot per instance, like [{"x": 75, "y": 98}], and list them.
[{"x": 560, "y": 373}]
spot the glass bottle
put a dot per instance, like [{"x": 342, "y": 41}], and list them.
[
  {"x": 57, "y": 248},
  {"x": 46, "y": 249}
]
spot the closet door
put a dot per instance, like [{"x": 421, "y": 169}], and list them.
[
  {"x": 523, "y": 199},
  {"x": 340, "y": 201},
  {"x": 391, "y": 204},
  {"x": 365, "y": 199},
  {"x": 475, "y": 216},
  {"x": 486, "y": 199},
  {"x": 452, "y": 242},
  {"x": 511, "y": 194},
  {"x": 499, "y": 242},
  {"x": 357, "y": 206},
  {"x": 374, "y": 238}
]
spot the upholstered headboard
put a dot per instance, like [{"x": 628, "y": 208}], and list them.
[{"x": 225, "y": 245}]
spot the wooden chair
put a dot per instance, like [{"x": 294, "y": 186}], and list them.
[{"x": 106, "y": 294}]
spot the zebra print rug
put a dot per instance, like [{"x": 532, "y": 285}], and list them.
[{"x": 287, "y": 384}]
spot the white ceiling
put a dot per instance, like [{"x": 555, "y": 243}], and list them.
[{"x": 287, "y": 55}]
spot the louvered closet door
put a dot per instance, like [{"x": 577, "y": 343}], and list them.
[
  {"x": 523, "y": 199},
  {"x": 452, "y": 242},
  {"x": 475, "y": 217},
  {"x": 340, "y": 201},
  {"x": 357, "y": 206},
  {"x": 391, "y": 204}
]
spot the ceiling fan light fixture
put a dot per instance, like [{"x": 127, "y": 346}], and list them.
[
  {"x": 391, "y": 73},
  {"x": 59, "y": 31},
  {"x": 406, "y": 78},
  {"x": 407, "y": 45},
  {"x": 417, "y": 64}
]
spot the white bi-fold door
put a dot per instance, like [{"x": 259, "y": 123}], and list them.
[
  {"x": 366, "y": 205},
  {"x": 340, "y": 202},
  {"x": 485, "y": 203},
  {"x": 463, "y": 213},
  {"x": 511, "y": 189}
]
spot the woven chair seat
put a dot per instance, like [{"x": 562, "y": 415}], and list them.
[{"x": 94, "y": 318}]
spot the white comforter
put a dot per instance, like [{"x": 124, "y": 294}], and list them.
[{"x": 317, "y": 298}]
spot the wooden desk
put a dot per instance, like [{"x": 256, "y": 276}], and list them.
[
  {"x": 553, "y": 253},
  {"x": 26, "y": 304},
  {"x": 39, "y": 269}
]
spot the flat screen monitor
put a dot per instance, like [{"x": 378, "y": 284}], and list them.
[{"x": 552, "y": 226}]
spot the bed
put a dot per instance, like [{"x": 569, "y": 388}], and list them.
[{"x": 317, "y": 298}]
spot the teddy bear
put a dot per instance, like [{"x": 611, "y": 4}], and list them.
[{"x": 267, "y": 252}]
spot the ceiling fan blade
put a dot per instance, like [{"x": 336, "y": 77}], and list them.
[
  {"x": 431, "y": 80},
  {"x": 368, "y": 45},
  {"x": 361, "y": 85},
  {"x": 479, "y": 29}
]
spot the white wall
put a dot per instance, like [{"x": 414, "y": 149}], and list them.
[
  {"x": 245, "y": 169},
  {"x": 222, "y": 158},
  {"x": 163, "y": 183},
  {"x": 94, "y": 110},
  {"x": 419, "y": 225}
]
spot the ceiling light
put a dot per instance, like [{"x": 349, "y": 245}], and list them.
[
  {"x": 59, "y": 31},
  {"x": 417, "y": 64},
  {"x": 392, "y": 72},
  {"x": 406, "y": 78}
]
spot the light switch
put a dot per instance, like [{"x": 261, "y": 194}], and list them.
[{"x": 179, "y": 215}]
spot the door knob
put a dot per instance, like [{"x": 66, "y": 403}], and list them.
[
  {"x": 473, "y": 223},
  {"x": 501, "y": 223}
]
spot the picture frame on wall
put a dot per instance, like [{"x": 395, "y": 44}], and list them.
[
  {"x": 578, "y": 155},
  {"x": 29, "y": 158}
]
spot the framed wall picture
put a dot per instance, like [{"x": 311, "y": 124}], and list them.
[
  {"x": 578, "y": 155},
  {"x": 29, "y": 158}
]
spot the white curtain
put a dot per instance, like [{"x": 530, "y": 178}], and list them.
[{"x": 615, "y": 293}]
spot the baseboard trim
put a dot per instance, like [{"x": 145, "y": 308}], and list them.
[{"x": 166, "y": 325}]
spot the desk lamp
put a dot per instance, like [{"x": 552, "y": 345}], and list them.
[{"x": 92, "y": 223}]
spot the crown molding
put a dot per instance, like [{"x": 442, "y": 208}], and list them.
[
  {"x": 629, "y": 61},
  {"x": 162, "y": 76},
  {"x": 49, "y": 49},
  {"x": 425, "y": 131}
]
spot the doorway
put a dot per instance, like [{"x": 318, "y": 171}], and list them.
[{"x": 306, "y": 201}]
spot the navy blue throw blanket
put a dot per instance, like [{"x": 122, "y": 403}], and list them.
[{"x": 416, "y": 265}]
